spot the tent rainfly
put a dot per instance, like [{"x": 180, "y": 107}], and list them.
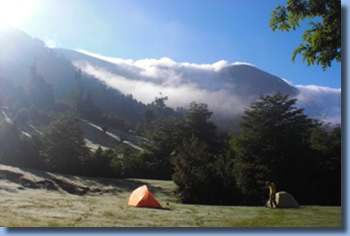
[{"x": 142, "y": 197}]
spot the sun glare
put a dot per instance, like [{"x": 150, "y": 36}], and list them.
[{"x": 15, "y": 12}]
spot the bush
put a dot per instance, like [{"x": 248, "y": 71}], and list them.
[
  {"x": 203, "y": 178},
  {"x": 64, "y": 148}
]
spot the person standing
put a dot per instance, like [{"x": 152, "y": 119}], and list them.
[{"x": 272, "y": 196}]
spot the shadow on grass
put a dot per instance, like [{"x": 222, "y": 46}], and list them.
[
  {"x": 122, "y": 184},
  {"x": 153, "y": 208}
]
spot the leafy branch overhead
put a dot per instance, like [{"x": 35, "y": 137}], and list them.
[{"x": 322, "y": 40}]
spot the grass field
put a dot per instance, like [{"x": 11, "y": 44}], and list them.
[{"x": 26, "y": 207}]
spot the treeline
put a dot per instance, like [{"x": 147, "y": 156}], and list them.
[{"x": 276, "y": 142}]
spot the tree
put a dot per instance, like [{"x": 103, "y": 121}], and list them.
[
  {"x": 158, "y": 109},
  {"x": 10, "y": 143},
  {"x": 17, "y": 149},
  {"x": 272, "y": 145},
  {"x": 149, "y": 116},
  {"x": 104, "y": 163},
  {"x": 197, "y": 123},
  {"x": 164, "y": 139},
  {"x": 113, "y": 121},
  {"x": 323, "y": 38},
  {"x": 203, "y": 177},
  {"x": 326, "y": 145},
  {"x": 202, "y": 168},
  {"x": 87, "y": 107},
  {"x": 192, "y": 172},
  {"x": 64, "y": 145},
  {"x": 104, "y": 128}
]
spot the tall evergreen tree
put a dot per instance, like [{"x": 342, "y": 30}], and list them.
[
  {"x": 202, "y": 168},
  {"x": 197, "y": 123},
  {"x": 164, "y": 139},
  {"x": 272, "y": 145}
]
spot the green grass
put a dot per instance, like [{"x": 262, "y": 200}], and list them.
[{"x": 38, "y": 207}]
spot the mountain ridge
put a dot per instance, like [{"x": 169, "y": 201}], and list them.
[{"x": 227, "y": 88}]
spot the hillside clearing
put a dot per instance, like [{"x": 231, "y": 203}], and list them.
[{"x": 26, "y": 207}]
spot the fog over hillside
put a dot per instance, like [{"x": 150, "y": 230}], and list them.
[{"x": 228, "y": 88}]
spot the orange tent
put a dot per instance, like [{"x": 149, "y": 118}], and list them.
[{"x": 142, "y": 197}]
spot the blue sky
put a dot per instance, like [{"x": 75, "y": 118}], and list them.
[
  {"x": 196, "y": 31},
  {"x": 89, "y": 34}
]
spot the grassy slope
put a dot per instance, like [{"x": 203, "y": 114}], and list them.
[{"x": 39, "y": 207}]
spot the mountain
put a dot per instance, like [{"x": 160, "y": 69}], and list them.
[
  {"x": 228, "y": 88},
  {"x": 243, "y": 79},
  {"x": 20, "y": 52},
  {"x": 123, "y": 87}
]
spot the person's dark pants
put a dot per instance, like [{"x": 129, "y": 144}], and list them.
[{"x": 273, "y": 203}]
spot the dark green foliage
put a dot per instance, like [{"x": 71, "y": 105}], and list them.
[
  {"x": 104, "y": 128},
  {"x": 111, "y": 101},
  {"x": 164, "y": 138},
  {"x": 64, "y": 145},
  {"x": 202, "y": 165},
  {"x": 104, "y": 163},
  {"x": 62, "y": 107},
  {"x": 38, "y": 117},
  {"x": 273, "y": 145},
  {"x": 155, "y": 111},
  {"x": 203, "y": 177},
  {"x": 149, "y": 116},
  {"x": 10, "y": 142},
  {"x": 326, "y": 145},
  {"x": 133, "y": 166},
  {"x": 323, "y": 38},
  {"x": 164, "y": 133},
  {"x": 113, "y": 121},
  {"x": 87, "y": 107},
  {"x": 16, "y": 149},
  {"x": 192, "y": 167},
  {"x": 159, "y": 108},
  {"x": 197, "y": 123}
]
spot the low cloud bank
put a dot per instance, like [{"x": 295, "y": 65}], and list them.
[
  {"x": 187, "y": 82},
  {"x": 320, "y": 102}
]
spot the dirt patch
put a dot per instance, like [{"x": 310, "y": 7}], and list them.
[
  {"x": 71, "y": 187},
  {"x": 27, "y": 181},
  {"x": 42, "y": 180}
]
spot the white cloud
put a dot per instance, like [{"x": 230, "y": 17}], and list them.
[
  {"x": 185, "y": 82},
  {"x": 321, "y": 102},
  {"x": 105, "y": 58},
  {"x": 180, "y": 94},
  {"x": 50, "y": 43}
]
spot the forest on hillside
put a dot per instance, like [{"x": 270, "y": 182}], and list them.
[{"x": 275, "y": 142}]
